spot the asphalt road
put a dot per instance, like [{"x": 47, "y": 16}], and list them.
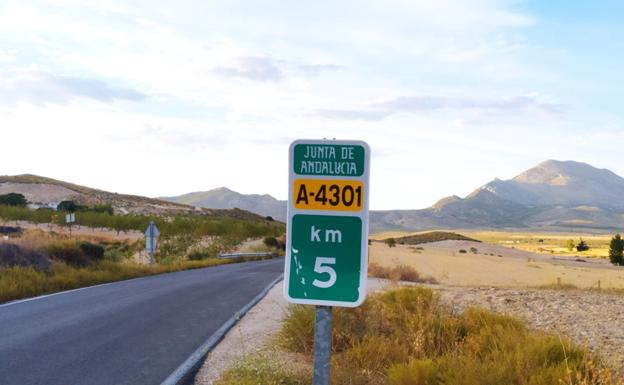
[{"x": 130, "y": 332}]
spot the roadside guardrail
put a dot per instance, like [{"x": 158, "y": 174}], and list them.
[{"x": 239, "y": 255}]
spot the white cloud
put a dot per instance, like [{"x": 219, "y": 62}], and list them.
[
  {"x": 40, "y": 88},
  {"x": 161, "y": 98}
]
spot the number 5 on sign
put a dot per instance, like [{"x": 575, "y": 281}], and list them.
[{"x": 319, "y": 268}]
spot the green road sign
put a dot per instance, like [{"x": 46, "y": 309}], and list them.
[
  {"x": 327, "y": 242},
  {"x": 329, "y": 159}
]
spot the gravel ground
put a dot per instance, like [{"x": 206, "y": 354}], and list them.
[
  {"x": 248, "y": 336},
  {"x": 590, "y": 318}
]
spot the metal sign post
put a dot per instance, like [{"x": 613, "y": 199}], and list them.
[
  {"x": 327, "y": 233},
  {"x": 151, "y": 238},
  {"x": 322, "y": 344}
]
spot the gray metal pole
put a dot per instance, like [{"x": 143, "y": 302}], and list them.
[
  {"x": 151, "y": 237},
  {"x": 322, "y": 344}
]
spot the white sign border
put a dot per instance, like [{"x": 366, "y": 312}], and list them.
[{"x": 363, "y": 215}]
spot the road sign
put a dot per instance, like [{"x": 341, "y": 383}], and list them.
[
  {"x": 151, "y": 238},
  {"x": 327, "y": 243}
]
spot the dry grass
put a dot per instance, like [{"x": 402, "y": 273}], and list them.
[
  {"x": 406, "y": 337},
  {"x": 398, "y": 273},
  {"x": 547, "y": 243},
  {"x": 537, "y": 242},
  {"x": 446, "y": 263},
  {"x": 23, "y": 282}
]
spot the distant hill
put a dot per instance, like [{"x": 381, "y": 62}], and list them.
[
  {"x": 224, "y": 198},
  {"x": 432, "y": 236},
  {"x": 554, "y": 195},
  {"x": 44, "y": 191}
]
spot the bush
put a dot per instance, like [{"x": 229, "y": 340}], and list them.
[
  {"x": 113, "y": 255},
  {"x": 16, "y": 255},
  {"x": 13, "y": 199},
  {"x": 199, "y": 254},
  {"x": 616, "y": 250},
  {"x": 104, "y": 208},
  {"x": 474, "y": 250},
  {"x": 68, "y": 252},
  {"x": 408, "y": 337},
  {"x": 398, "y": 273},
  {"x": 582, "y": 246},
  {"x": 68, "y": 206},
  {"x": 271, "y": 242},
  {"x": 91, "y": 250},
  {"x": 569, "y": 244},
  {"x": 462, "y": 251},
  {"x": 391, "y": 242}
]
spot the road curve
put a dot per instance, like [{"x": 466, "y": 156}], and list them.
[{"x": 129, "y": 332}]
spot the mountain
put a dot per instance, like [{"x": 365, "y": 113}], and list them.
[
  {"x": 224, "y": 198},
  {"x": 42, "y": 191},
  {"x": 553, "y": 195}
]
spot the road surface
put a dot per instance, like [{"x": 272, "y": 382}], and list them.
[{"x": 130, "y": 332}]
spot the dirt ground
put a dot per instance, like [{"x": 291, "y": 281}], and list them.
[{"x": 494, "y": 265}]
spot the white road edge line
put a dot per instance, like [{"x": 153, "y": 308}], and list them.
[
  {"x": 18, "y": 301},
  {"x": 188, "y": 367}
]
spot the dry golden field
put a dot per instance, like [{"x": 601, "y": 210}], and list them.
[
  {"x": 537, "y": 242},
  {"x": 497, "y": 262}
]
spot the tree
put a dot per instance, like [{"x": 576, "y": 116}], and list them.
[
  {"x": 13, "y": 199},
  {"x": 569, "y": 244},
  {"x": 616, "y": 250},
  {"x": 391, "y": 242},
  {"x": 68, "y": 206},
  {"x": 582, "y": 246}
]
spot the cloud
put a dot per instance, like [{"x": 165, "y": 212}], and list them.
[
  {"x": 252, "y": 68},
  {"x": 414, "y": 104},
  {"x": 40, "y": 88},
  {"x": 368, "y": 115},
  {"x": 312, "y": 70}
]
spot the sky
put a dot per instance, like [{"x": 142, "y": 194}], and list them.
[{"x": 161, "y": 98}]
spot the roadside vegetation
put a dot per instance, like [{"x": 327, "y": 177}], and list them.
[
  {"x": 22, "y": 282},
  {"x": 398, "y": 273},
  {"x": 406, "y": 336},
  {"x": 34, "y": 262}
]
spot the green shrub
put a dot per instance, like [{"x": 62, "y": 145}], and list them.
[
  {"x": 415, "y": 372},
  {"x": 271, "y": 242},
  {"x": 199, "y": 254},
  {"x": 462, "y": 251},
  {"x": 13, "y": 199},
  {"x": 68, "y": 206},
  {"x": 112, "y": 254},
  {"x": 407, "y": 337},
  {"x": 68, "y": 252},
  {"x": 91, "y": 250}
]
